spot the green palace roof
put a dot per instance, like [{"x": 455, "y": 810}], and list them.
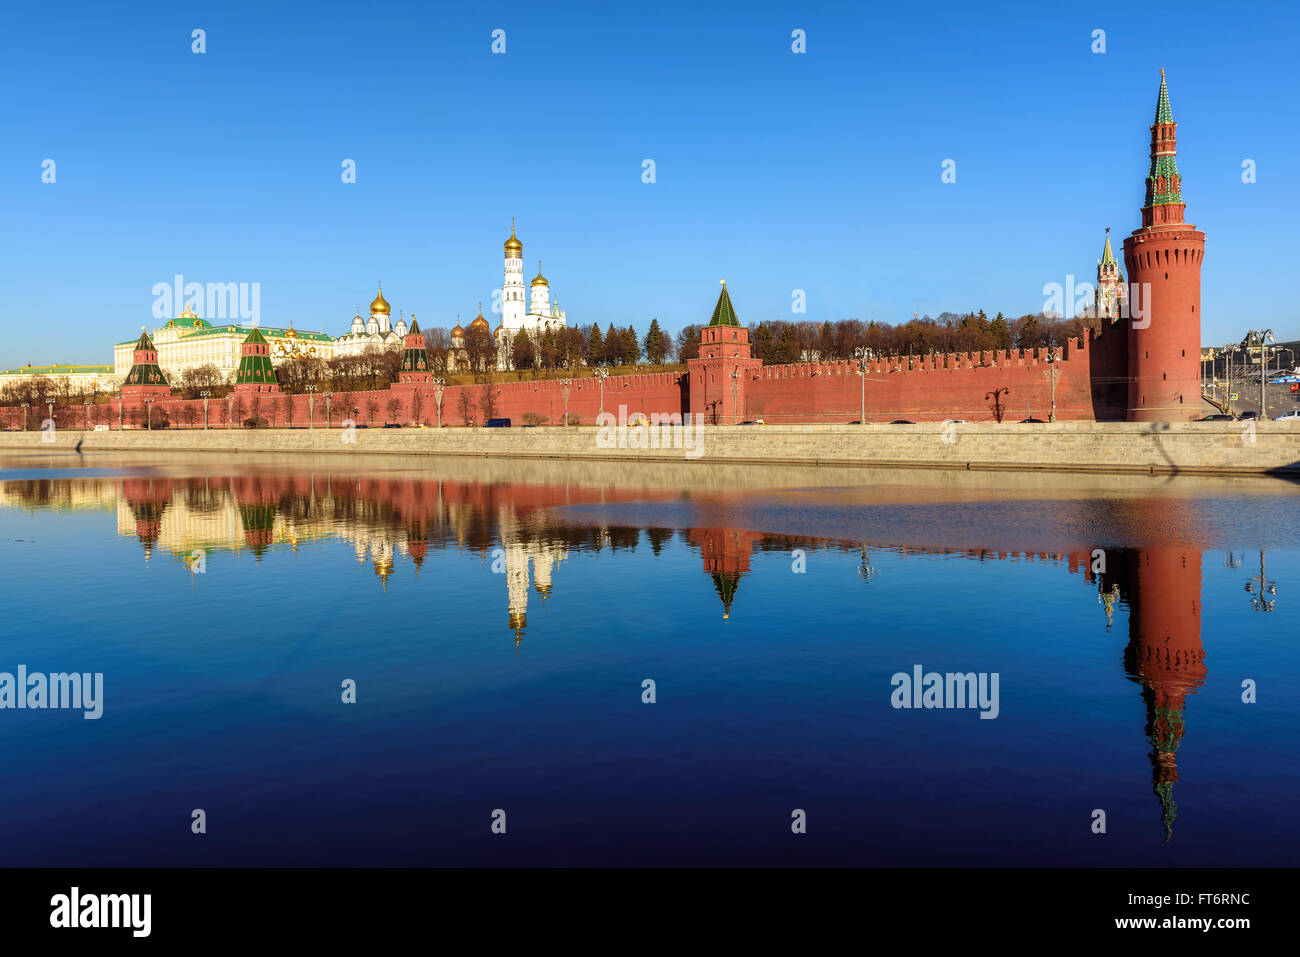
[
  {"x": 188, "y": 322},
  {"x": 207, "y": 330},
  {"x": 265, "y": 330},
  {"x": 58, "y": 369}
]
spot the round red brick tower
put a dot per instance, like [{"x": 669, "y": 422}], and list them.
[{"x": 1164, "y": 267}]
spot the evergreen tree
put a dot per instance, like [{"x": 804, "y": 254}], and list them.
[
  {"x": 522, "y": 353},
  {"x": 595, "y": 346},
  {"x": 1001, "y": 332},
  {"x": 614, "y": 345},
  {"x": 550, "y": 353},
  {"x": 631, "y": 347},
  {"x": 763, "y": 342},
  {"x": 655, "y": 346},
  {"x": 788, "y": 350}
]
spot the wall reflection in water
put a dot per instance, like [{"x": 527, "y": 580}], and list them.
[{"x": 393, "y": 520}]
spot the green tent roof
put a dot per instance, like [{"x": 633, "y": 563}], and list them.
[{"x": 723, "y": 313}]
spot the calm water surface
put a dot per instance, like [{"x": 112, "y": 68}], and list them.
[{"x": 499, "y": 620}]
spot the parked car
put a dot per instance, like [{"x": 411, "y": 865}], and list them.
[
  {"x": 902, "y": 422},
  {"x": 497, "y": 424},
  {"x": 1249, "y": 414},
  {"x": 753, "y": 422},
  {"x": 1292, "y": 416},
  {"x": 101, "y": 428},
  {"x": 1216, "y": 417},
  {"x": 955, "y": 422},
  {"x": 1031, "y": 419}
]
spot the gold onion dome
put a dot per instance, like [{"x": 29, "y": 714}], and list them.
[
  {"x": 380, "y": 304},
  {"x": 187, "y": 314},
  {"x": 513, "y": 245},
  {"x": 479, "y": 322},
  {"x": 458, "y": 332},
  {"x": 540, "y": 280}
]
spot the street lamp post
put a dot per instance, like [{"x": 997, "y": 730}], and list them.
[
  {"x": 601, "y": 376},
  {"x": 1260, "y": 600},
  {"x": 230, "y": 408},
  {"x": 85, "y": 420},
  {"x": 311, "y": 406},
  {"x": 1051, "y": 365},
  {"x": 735, "y": 388},
  {"x": 1265, "y": 338},
  {"x": 148, "y": 405},
  {"x": 1227, "y": 376},
  {"x": 205, "y": 395},
  {"x": 438, "y": 383},
  {"x": 860, "y": 354},
  {"x": 329, "y": 399},
  {"x": 26, "y": 406},
  {"x": 564, "y": 387}
]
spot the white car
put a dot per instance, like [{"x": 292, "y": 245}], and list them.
[{"x": 1292, "y": 416}]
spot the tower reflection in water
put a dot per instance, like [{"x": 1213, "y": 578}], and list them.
[
  {"x": 1162, "y": 588},
  {"x": 513, "y": 526}
]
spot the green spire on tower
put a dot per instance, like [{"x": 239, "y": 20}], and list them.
[
  {"x": 1163, "y": 113},
  {"x": 1108, "y": 257},
  {"x": 1164, "y": 185},
  {"x": 724, "y": 314}
]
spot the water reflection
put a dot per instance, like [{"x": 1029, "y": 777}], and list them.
[{"x": 529, "y": 531}]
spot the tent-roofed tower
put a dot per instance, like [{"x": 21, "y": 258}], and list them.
[
  {"x": 1111, "y": 298},
  {"x": 724, "y": 313},
  {"x": 255, "y": 374},
  {"x": 146, "y": 378},
  {"x": 1164, "y": 266},
  {"x": 415, "y": 358},
  {"x": 718, "y": 376}
]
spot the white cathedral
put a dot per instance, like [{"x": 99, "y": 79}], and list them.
[{"x": 378, "y": 331}]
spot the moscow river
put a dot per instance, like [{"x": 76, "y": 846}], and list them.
[{"x": 338, "y": 660}]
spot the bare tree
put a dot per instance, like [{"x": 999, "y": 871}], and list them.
[
  {"x": 487, "y": 402},
  {"x": 465, "y": 405}
]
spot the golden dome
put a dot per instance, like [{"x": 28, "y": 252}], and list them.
[
  {"x": 513, "y": 245},
  {"x": 479, "y": 322},
  {"x": 187, "y": 314},
  {"x": 380, "y": 304},
  {"x": 540, "y": 280},
  {"x": 458, "y": 332}
]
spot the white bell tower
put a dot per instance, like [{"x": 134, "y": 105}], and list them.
[{"x": 513, "y": 305}]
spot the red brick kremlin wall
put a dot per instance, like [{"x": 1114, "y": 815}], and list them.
[{"x": 929, "y": 388}]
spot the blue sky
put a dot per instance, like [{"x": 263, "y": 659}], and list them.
[{"x": 778, "y": 171}]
